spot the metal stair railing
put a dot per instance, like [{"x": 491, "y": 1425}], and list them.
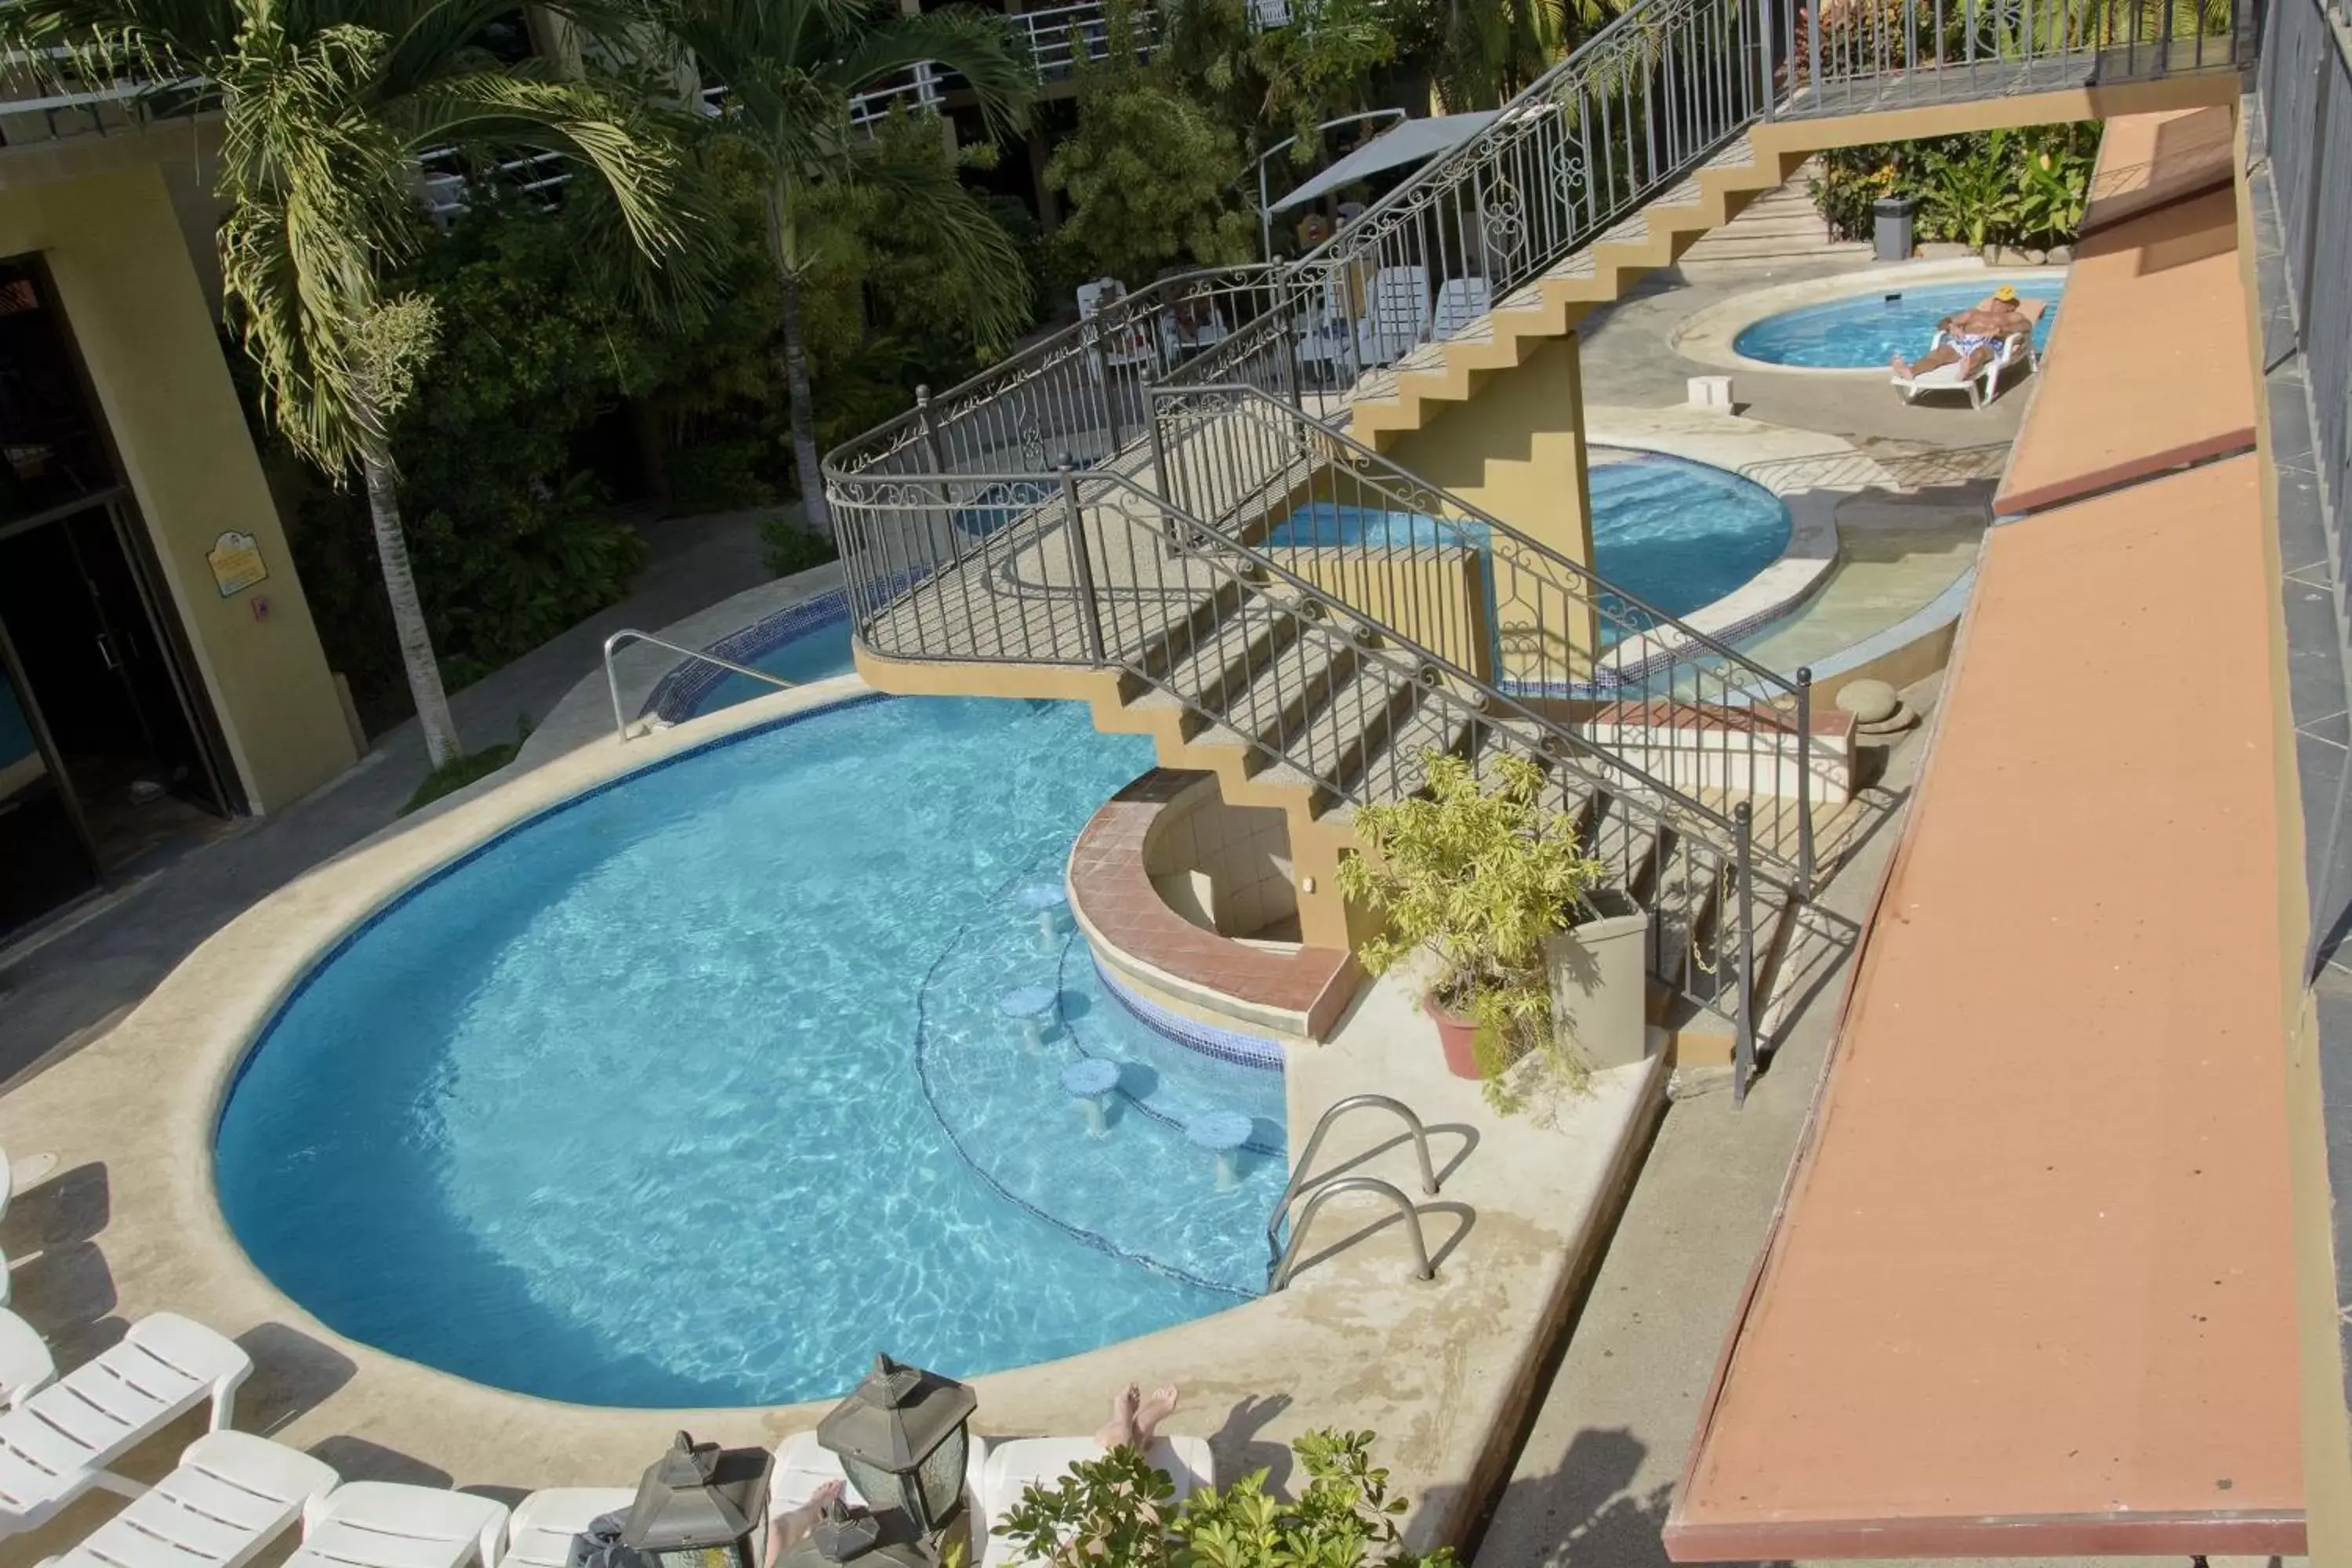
[
  {"x": 1540, "y": 625},
  {"x": 1287, "y": 1264},
  {"x": 1108, "y": 574}
]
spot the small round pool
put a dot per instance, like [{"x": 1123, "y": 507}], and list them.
[
  {"x": 1864, "y": 331},
  {"x": 698, "y": 1090},
  {"x": 1674, "y": 533}
]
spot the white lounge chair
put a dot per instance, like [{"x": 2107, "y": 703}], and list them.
[
  {"x": 1460, "y": 303},
  {"x": 1010, "y": 1466},
  {"x": 25, "y": 1365},
  {"x": 382, "y": 1525},
  {"x": 2012, "y": 353},
  {"x": 1398, "y": 318},
  {"x": 539, "y": 1535},
  {"x": 58, "y": 1443},
  {"x": 232, "y": 1495}
]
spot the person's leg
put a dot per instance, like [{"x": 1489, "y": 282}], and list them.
[
  {"x": 1119, "y": 1430},
  {"x": 1152, "y": 1412},
  {"x": 1942, "y": 354},
  {"x": 1978, "y": 359},
  {"x": 790, "y": 1527}
]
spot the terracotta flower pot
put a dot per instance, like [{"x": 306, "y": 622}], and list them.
[{"x": 1457, "y": 1035}]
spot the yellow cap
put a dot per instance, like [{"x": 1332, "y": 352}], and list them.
[{"x": 2005, "y": 292}]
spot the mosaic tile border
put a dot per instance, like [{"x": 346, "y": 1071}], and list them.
[
  {"x": 1225, "y": 1044},
  {"x": 673, "y": 698}
]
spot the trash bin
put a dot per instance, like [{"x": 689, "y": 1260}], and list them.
[{"x": 1893, "y": 215}]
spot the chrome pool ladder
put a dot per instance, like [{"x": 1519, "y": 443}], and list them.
[
  {"x": 1281, "y": 1258},
  {"x": 628, "y": 635}
]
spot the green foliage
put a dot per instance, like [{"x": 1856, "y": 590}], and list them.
[
  {"x": 1116, "y": 1513},
  {"x": 2022, "y": 188},
  {"x": 458, "y": 772},
  {"x": 1151, "y": 174},
  {"x": 1269, "y": 83},
  {"x": 788, "y": 547},
  {"x": 1480, "y": 878}
]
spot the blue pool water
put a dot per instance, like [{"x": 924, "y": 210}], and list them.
[
  {"x": 1674, "y": 533},
  {"x": 816, "y": 654},
  {"x": 1865, "y": 330},
  {"x": 695, "y": 1092}
]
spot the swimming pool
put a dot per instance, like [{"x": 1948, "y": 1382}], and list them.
[
  {"x": 1674, "y": 533},
  {"x": 696, "y": 1089},
  {"x": 1864, "y": 331}
]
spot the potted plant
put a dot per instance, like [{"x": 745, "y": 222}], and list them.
[{"x": 1479, "y": 879}]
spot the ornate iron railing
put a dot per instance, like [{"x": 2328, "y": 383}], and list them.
[{"x": 1097, "y": 570}]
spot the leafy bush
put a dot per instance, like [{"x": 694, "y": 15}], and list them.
[
  {"x": 2022, "y": 188},
  {"x": 1116, "y": 1513},
  {"x": 1481, "y": 879},
  {"x": 786, "y": 547}
]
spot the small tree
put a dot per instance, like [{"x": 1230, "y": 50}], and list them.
[{"x": 1480, "y": 878}]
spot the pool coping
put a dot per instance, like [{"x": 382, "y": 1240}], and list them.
[
  {"x": 1706, "y": 335},
  {"x": 1461, "y": 1355}
]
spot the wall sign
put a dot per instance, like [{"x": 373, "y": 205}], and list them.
[{"x": 236, "y": 563}]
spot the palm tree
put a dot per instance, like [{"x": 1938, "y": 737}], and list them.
[
  {"x": 326, "y": 106},
  {"x": 790, "y": 68}
]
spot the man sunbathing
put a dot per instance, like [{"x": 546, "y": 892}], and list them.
[{"x": 1972, "y": 336}]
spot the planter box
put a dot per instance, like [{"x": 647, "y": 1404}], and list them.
[{"x": 1599, "y": 981}]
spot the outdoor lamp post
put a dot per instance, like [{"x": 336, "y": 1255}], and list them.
[
  {"x": 902, "y": 1438},
  {"x": 868, "y": 1540},
  {"x": 698, "y": 1505}
]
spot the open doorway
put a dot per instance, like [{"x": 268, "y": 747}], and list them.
[{"x": 107, "y": 746}]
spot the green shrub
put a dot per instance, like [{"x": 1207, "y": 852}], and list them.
[
  {"x": 787, "y": 547},
  {"x": 1116, "y": 1513},
  {"x": 2022, "y": 188},
  {"x": 721, "y": 476}
]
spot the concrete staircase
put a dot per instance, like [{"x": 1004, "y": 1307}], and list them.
[{"x": 1780, "y": 229}]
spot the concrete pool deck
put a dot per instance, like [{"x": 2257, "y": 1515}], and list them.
[{"x": 1442, "y": 1370}]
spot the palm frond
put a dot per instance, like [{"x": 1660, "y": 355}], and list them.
[
  {"x": 985, "y": 265},
  {"x": 977, "y": 44}
]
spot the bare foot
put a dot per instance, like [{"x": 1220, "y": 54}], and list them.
[
  {"x": 1152, "y": 1412},
  {"x": 1120, "y": 1428},
  {"x": 1900, "y": 367},
  {"x": 790, "y": 1527}
]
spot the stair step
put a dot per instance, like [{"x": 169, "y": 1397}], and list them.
[
  {"x": 1329, "y": 755},
  {"x": 1219, "y": 670}
]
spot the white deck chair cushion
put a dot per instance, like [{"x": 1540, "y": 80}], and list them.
[
  {"x": 540, "y": 1534},
  {"x": 381, "y": 1524},
  {"x": 232, "y": 1494},
  {"x": 59, "y": 1444},
  {"x": 25, "y": 1365},
  {"x": 803, "y": 1465},
  {"x": 1011, "y": 1467}
]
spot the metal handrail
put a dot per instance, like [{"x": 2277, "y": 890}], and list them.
[
  {"x": 630, "y": 634},
  {"x": 1284, "y": 1266},
  {"x": 1298, "y": 1182}
]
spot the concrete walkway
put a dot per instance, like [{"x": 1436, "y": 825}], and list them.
[{"x": 64, "y": 987}]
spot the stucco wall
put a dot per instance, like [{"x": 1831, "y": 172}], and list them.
[{"x": 136, "y": 304}]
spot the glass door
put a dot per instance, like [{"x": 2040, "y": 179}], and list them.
[{"x": 45, "y": 858}]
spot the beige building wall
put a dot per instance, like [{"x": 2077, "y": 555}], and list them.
[{"x": 136, "y": 306}]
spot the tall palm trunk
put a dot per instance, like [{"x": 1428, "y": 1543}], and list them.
[
  {"x": 408, "y": 614},
  {"x": 796, "y": 376}
]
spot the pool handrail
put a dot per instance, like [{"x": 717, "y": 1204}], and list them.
[{"x": 628, "y": 635}]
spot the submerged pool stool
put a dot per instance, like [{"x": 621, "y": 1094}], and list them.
[
  {"x": 1089, "y": 1081},
  {"x": 1220, "y": 1133},
  {"x": 1046, "y": 901},
  {"x": 1033, "y": 1004}
]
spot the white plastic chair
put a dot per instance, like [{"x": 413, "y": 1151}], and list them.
[
  {"x": 58, "y": 1444},
  {"x": 25, "y": 1365},
  {"x": 382, "y": 1525},
  {"x": 2015, "y": 351},
  {"x": 232, "y": 1495},
  {"x": 540, "y": 1534},
  {"x": 1010, "y": 1466},
  {"x": 1400, "y": 314},
  {"x": 1460, "y": 303}
]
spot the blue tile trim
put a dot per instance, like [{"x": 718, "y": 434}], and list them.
[
  {"x": 1225, "y": 1044},
  {"x": 674, "y": 697},
  {"x": 1072, "y": 945}
]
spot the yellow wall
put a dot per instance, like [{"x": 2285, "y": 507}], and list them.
[{"x": 135, "y": 301}]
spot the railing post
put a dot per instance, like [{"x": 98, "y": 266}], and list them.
[
  {"x": 1805, "y": 781},
  {"x": 2315, "y": 186},
  {"x": 1162, "y": 483},
  {"x": 1082, "y": 571},
  {"x": 1743, "y": 1050},
  {"x": 932, "y": 449}
]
